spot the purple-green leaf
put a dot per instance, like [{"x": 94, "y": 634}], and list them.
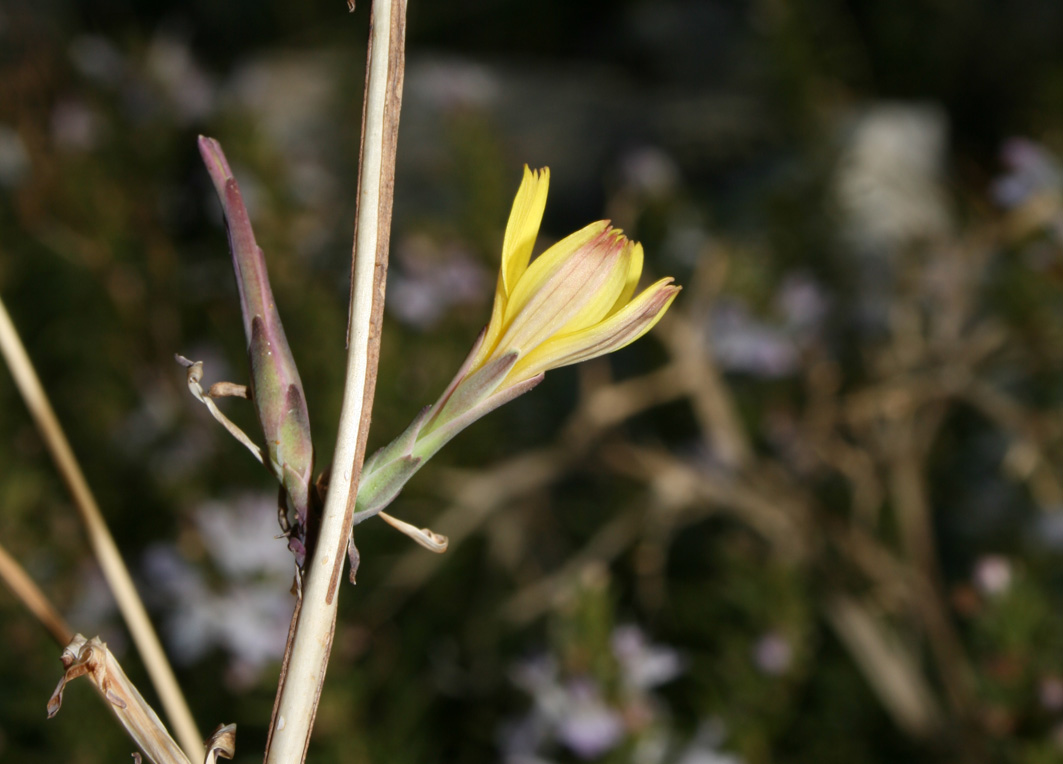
[{"x": 275, "y": 385}]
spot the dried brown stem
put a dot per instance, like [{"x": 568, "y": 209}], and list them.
[
  {"x": 24, "y": 588},
  {"x": 314, "y": 622},
  {"x": 106, "y": 551}
]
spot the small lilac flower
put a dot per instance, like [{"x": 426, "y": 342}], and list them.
[
  {"x": 1031, "y": 169},
  {"x": 428, "y": 282},
  {"x": 589, "y": 727},
  {"x": 247, "y": 613},
  {"x": 644, "y": 666},
  {"x": 773, "y": 653},
  {"x": 802, "y": 302},
  {"x": 705, "y": 747},
  {"x": 1050, "y": 692},
  {"x": 993, "y": 574},
  {"x": 650, "y": 172},
  {"x": 742, "y": 343},
  {"x": 75, "y": 125}
]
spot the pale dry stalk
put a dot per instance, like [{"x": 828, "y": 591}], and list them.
[
  {"x": 310, "y": 641},
  {"x": 24, "y": 588},
  {"x": 103, "y": 546}
]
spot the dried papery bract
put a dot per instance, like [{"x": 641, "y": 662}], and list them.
[
  {"x": 219, "y": 390},
  {"x": 92, "y": 659},
  {"x": 221, "y": 744}
]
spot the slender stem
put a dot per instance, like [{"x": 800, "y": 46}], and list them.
[
  {"x": 23, "y": 587},
  {"x": 311, "y": 640},
  {"x": 103, "y": 546}
]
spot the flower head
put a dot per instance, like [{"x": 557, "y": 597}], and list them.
[{"x": 572, "y": 303}]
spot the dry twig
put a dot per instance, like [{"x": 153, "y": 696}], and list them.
[
  {"x": 23, "y": 587},
  {"x": 111, "y": 563},
  {"x": 310, "y": 641}
]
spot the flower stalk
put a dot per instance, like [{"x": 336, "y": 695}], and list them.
[{"x": 314, "y": 622}]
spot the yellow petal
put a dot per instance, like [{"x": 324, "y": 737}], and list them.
[
  {"x": 523, "y": 226},
  {"x": 634, "y": 271},
  {"x": 493, "y": 330},
  {"x": 604, "y": 296},
  {"x": 562, "y": 285},
  {"x": 618, "y": 330},
  {"x": 547, "y": 265},
  {"x": 521, "y": 231}
]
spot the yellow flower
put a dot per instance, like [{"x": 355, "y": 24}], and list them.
[{"x": 573, "y": 302}]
